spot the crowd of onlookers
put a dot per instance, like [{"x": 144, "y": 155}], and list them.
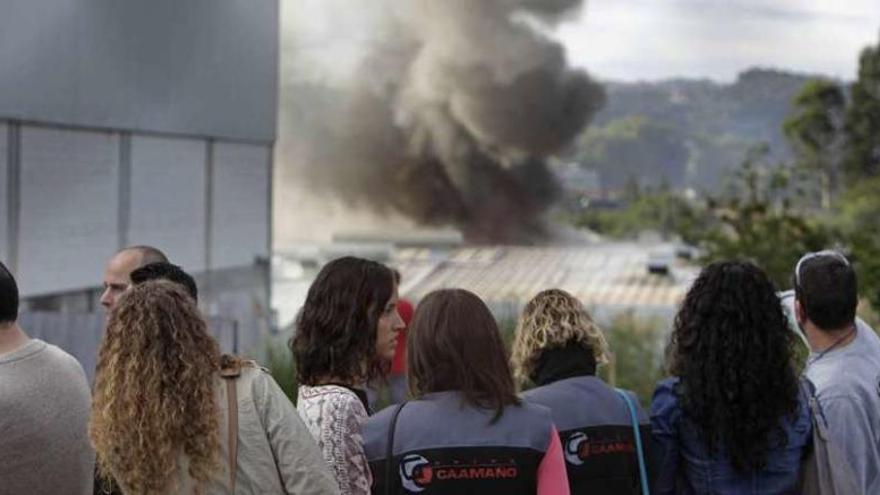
[{"x": 168, "y": 413}]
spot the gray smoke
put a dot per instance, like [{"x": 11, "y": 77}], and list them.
[{"x": 448, "y": 117}]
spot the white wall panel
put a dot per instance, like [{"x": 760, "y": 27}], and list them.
[
  {"x": 4, "y": 212},
  {"x": 203, "y": 67},
  {"x": 69, "y": 189},
  {"x": 168, "y": 198},
  {"x": 240, "y": 204}
]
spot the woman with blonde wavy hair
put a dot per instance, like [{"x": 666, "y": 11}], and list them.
[
  {"x": 160, "y": 416},
  {"x": 558, "y": 347}
]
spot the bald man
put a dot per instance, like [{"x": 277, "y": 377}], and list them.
[{"x": 117, "y": 275}]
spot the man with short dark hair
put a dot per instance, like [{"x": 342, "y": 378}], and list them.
[
  {"x": 166, "y": 271},
  {"x": 44, "y": 410},
  {"x": 844, "y": 365},
  {"x": 117, "y": 275}
]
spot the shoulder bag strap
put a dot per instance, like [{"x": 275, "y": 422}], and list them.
[
  {"x": 634, "y": 418},
  {"x": 230, "y": 370},
  {"x": 389, "y": 449}
]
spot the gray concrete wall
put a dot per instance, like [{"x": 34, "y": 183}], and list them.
[
  {"x": 68, "y": 216},
  {"x": 240, "y": 199},
  {"x": 85, "y": 193},
  {"x": 124, "y": 122},
  {"x": 168, "y": 194},
  {"x": 80, "y": 334},
  {"x": 194, "y": 67}
]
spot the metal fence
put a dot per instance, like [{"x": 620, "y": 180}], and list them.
[{"x": 80, "y": 334}]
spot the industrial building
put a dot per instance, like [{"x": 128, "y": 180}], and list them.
[{"x": 125, "y": 122}]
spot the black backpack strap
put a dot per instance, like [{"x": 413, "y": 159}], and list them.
[{"x": 389, "y": 449}]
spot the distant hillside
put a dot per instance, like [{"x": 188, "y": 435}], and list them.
[{"x": 686, "y": 133}]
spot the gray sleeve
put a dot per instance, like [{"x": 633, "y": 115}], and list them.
[
  {"x": 300, "y": 463},
  {"x": 79, "y": 407},
  {"x": 849, "y": 425}
]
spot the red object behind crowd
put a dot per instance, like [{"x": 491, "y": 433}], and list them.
[{"x": 398, "y": 365}]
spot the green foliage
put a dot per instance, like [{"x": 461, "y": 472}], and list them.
[
  {"x": 748, "y": 110},
  {"x": 863, "y": 120},
  {"x": 816, "y": 118},
  {"x": 690, "y": 131},
  {"x": 758, "y": 215},
  {"x": 755, "y": 220},
  {"x": 622, "y": 149},
  {"x": 279, "y": 360},
  {"x": 637, "y": 355},
  {"x": 507, "y": 325},
  {"x": 858, "y": 213},
  {"x": 664, "y": 211},
  {"x": 815, "y": 131}
]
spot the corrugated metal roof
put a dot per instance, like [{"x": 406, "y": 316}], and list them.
[
  {"x": 607, "y": 277},
  {"x": 600, "y": 275}
]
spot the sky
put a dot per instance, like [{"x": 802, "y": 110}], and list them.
[
  {"x": 623, "y": 40},
  {"x": 632, "y": 40}
]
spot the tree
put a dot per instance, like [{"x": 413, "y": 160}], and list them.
[
  {"x": 862, "y": 126},
  {"x": 636, "y": 354},
  {"x": 624, "y": 149},
  {"x": 859, "y": 209},
  {"x": 663, "y": 211},
  {"x": 755, "y": 220},
  {"x": 815, "y": 133}
]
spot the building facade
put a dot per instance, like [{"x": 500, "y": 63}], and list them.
[{"x": 125, "y": 122}]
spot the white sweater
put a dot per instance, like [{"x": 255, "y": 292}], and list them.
[{"x": 335, "y": 415}]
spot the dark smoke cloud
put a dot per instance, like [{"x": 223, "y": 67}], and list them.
[{"x": 449, "y": 118}]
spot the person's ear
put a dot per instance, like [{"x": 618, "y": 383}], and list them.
[{"x": 799, "y": 313}]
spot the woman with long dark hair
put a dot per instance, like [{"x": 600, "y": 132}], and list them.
[
  {"x": 731, "y": 419},
  {"x": 466, "y": 432},
  {"x": 346, "y": 336},
  {"x": 161, "y": 411},
  {"x": 558, "y": 348}
]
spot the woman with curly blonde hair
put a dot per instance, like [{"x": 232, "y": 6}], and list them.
[
  {"x": 558, "y": 347},
  {"x": 160, "y": 421}
]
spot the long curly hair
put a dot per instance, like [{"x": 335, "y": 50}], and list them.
[
  {"x": 733, "y": 353},
  {"x": 154, "y": 395},
  {"x": 554, "y": 318},
  {"x": 336, "y": 328}
]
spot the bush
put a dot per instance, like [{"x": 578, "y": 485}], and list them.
[
  {"x": 279, "y": 360},
  {"x": 637, "y": 355}
]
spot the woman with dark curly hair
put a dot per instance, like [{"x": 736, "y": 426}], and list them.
[
  {"x": 731, "y": 420},
  {"x": 346, "y": 335},
  {"x": 160, "y": 416}
]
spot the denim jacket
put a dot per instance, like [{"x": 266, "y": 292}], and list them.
[{"x": 684, "y": 465}]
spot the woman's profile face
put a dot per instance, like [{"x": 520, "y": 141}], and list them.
[{"x": 390, "y": 323}]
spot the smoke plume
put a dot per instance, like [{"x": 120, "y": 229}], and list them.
[{"x": 447, "y": 115}]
